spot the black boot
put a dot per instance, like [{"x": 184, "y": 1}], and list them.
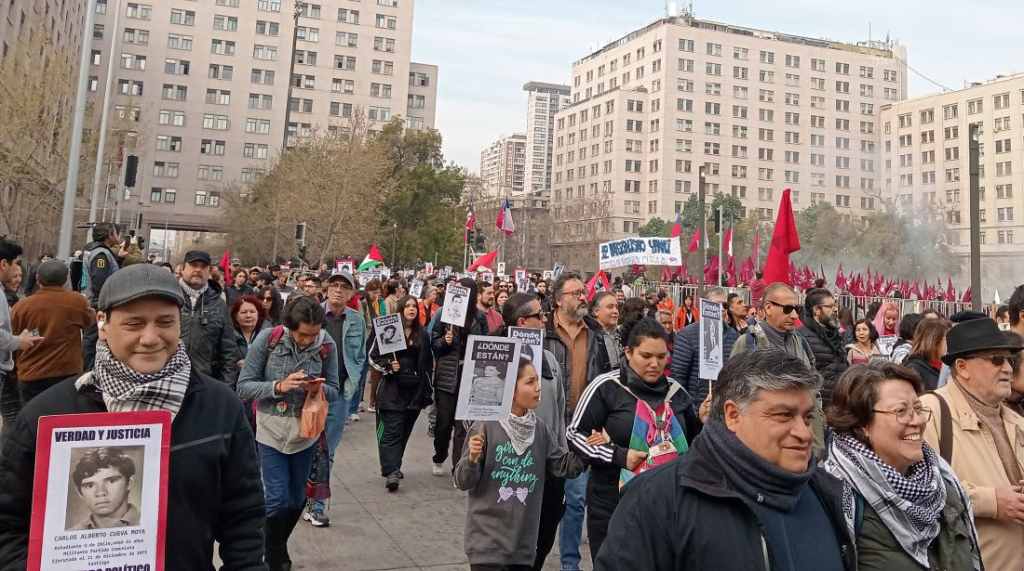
[
  {"x": 289, "y": 519},
  {"x": 272, "y": 543}
]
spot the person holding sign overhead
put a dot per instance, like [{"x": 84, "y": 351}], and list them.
[{"x": 404, "y": 389}]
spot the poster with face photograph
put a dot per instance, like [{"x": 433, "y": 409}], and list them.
[
  {"x": 390, "y": 333},
  {"x": 488, "y": 378},
  {"x": 100, "y": 492},
  {"x": 456, "y": 304},
  {"x": 416, "y": 289},
  {"x": 710, "y": 339},
  {"x": 533, "y": 344}
]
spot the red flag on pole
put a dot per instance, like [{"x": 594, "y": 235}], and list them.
[
  {"x": 225, "y": 266},
  {"x": 485, "y": 261},
  {"x": 785, "y": 241},
  {"x": 598, "y": 283},
  {"x": 677, "y": 228},
  {"x": 694, "y": 241}
]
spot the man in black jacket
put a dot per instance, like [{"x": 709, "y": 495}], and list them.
[
  {"x": 748, "y": 494},
  {"x": 821, "y": 330},
  {"x": 214, "y": 489},
  {"x": 206, "y": 329}
]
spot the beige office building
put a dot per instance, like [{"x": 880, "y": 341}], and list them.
[
  {"x": 503, "y": 167},
  {"x": 206, "y": 83},
  {"x": 761, "y": 110},
  {"x": 543, "y": 101},
  {"x": 60, "y": 20},
  {"x": 926, "y": 168}
]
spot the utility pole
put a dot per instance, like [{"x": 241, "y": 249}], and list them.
[
  {"x": 300, "y": 6},
  {"x": 703, "y": 227},
  {"x": 721, "y": 232},
  {"x": 974, "y": 143},
  {"x": 97, "y": 178},
  {"x": 67, "y": 215}
]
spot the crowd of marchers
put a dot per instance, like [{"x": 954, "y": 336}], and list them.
[{"x": 814, "y": 447}]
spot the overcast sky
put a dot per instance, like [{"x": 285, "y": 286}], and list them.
[{"x": 487, "y": 49}]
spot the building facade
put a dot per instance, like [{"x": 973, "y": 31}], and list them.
[
  {"x": 926, "y": 151},
  {"x": 761, "y": 111},
  {"x": 60, "y": 21},
  {"x": 503, "y": 167},
  {"x": 529, "y": 246},
  {"x": 206, "y": 86},
  {"x": 543, "y": 101}
]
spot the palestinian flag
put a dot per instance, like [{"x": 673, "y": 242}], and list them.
[{"x": 372, "y": 259}]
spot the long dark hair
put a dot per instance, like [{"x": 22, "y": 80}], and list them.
[
  {"x": 275, "y": 304},
  {"x": 415, "y": 329}
]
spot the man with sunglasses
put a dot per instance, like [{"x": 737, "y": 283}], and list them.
[
  {"x": 981, "y": 437},
  {"x": 777, "y": 331}
]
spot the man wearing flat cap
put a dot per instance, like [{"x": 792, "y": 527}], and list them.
[
  {"x": 206, "y": 329},
  {"x": 214, "y": 488},
  {"x": 981, "y": 437}
]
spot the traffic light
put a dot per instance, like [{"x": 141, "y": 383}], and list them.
[
  {"x": 470, "y": 236},
  {"x": 131, "y": 168},
  {"x": 716, "y": 220},
  {"x": 479, "y": 242},
  {"x": 300, "y": 233}
]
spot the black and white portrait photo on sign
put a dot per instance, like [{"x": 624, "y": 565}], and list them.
[
  {"x": 99, "y": 498},
  {"x": 488, "y": 378},
  {"x": 710, "y": 339},
  {"x": 456, "y": 304},
  {"x": 416, "y": 289},
  {"x": 390, "y": 333}
]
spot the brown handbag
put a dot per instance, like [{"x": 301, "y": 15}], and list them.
[{"x": 314, "y": 413}]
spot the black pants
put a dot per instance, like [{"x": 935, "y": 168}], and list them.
[
  {"x": 393, "y": 430},
  {"x": 499, "y": 568},
  {"x": 90, "y": 336},
  {"x": 600, "y": 506},
  {"x": 31, "y": 389},
  {"x": 551, "y": 509},
  {"x": 448, "y": 431},
  {"x": 10, "y": 401}
]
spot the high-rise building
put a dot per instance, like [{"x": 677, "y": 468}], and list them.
[
  {"x": 926, "y": 169},
  {"x": 503, "y": 167},
  {"x": 60, "y": 21},
  {"x": 543, "y": 101},
  {"x": 207, "y": 83},
  {"x": 760, "y": 111}
]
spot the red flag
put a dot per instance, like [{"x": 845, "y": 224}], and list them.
[
  {"x": 711, "y": 271},
  {"x": 504, "y": 221},
  {"x": 968, "y": 295},
  {"x": 730, "y": 278},
  {"x": 695, "y": 241},
  {"x": 727, "y": 243},
  {"x": 677, "y": 228},
  {"x": 598, "y": 283},
  {"x": 225, "y": 266},
  {"x": 485, "y": 261},
  {"x": 470, "y": 224},
  {"x": 950, "y": 290},
  {"x": 840, "y": 278},
  {"x": 785, "y": 241},
  {"x": 666, "y": 274}
]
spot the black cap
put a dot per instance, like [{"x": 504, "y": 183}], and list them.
[
  {"x": 136, "y": 282},
  {"x": 197, "y": 256},
  {"x": 975, "y": 336}
]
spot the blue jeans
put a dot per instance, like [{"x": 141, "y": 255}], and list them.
[
  {"x": 570, "y": 534},
  {"x": 284, "y": 478},
  {"x": 335, "y": 427},
  {"x": 360, "y": 387}
]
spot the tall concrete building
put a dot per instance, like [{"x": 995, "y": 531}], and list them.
[
  {"x": 926, "y": 170},
  {"x": 61, "y": 21},
  {"x": 503, "y": 167},
  {"x": 206, "y": 84},
  {"x": 760, "y": 110},
  {"x": 543, "y": 101}
]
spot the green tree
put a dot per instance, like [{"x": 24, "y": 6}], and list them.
[{"x": 655, "y": 227}]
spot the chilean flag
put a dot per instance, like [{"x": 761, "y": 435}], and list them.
[
  {"x": 677, "y": 228},
  {"x": 470, "y": 224},
  {"x": 504, "y": 221}
]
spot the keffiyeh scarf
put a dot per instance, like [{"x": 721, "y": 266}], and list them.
[
  {"x": 520, "y": 430},
  {"x": 126, "y": 390},
  {"x": 910, "y": 506}
]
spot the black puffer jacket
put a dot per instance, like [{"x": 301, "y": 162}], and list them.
[
  {"x": 448, "y": 358},
  {"x": 829, "y": 355},
  {"x": 209, "y": 336},
  {"x": 686, "y": 515},
  {"x": 409, "y": 388},
  {"x": 929, "y": 374},
  {"x": 214, "y": 493}
]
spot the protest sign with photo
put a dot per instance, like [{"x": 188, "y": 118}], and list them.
[
  {"x": 488, "y": 378},
  {"x": 557, "y": 270},
  {"x": 886, "y": 344},
  {"x": 428, "y": 268},
  {"x": 456, "y": 305},
  {"x": 99, "y": 499},
  {"x": 710, "y": 339},
  {"x": 390, "y": 334},
  {"x": 548, "y": 274},
  {"x": 501, "y": 268},
  {"x": 487, "y": 277},
  {"x": 533, "y": 344},
  {"x": 416, "y": 289}
]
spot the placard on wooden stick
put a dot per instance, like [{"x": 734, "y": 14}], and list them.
[
  {"x": 390, "y": 333},
  {"x": 456, "y": 305}
]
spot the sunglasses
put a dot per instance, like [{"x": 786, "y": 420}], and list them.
[
  {"x": 786, "y": 309},
  {"x": 998, "y": 360}
]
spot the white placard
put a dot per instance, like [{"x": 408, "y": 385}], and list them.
[
  {"x": 416, "y": 289},
  {"x": 487, "y": 277},
  {"x": 488, "y": 378},
  {"x": 886, "y": 344},
  {"x": 548, "y": 274},
  {"x": 520, "y": 275},
  {"x": 428, "y": 268},
  {"x": 456, "y": 305},
  {"x": 390, "y": 334},
  {"x": 533, "y": 344},
  {"x": 557, "y": 270},
  {"x": 710, "y": 339},
  {"x": 643, "y": 251},
  {"x": 523, "y": 285},
  {"x": 501, "y": 268}
]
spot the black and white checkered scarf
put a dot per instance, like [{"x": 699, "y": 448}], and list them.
[
  {"x": 126, "y": 390},
  {"x": 910, "y": 506}
]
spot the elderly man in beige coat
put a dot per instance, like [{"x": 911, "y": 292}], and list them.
[{"x": 981, "y": 437}]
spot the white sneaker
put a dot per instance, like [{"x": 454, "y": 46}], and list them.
[
  {"x": 437, "y": 469},
  {"x": 362, "y": 407},
  {"x": 354, "y": 417}
]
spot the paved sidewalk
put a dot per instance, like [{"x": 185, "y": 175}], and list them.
[{"x": 418, "y": 527}]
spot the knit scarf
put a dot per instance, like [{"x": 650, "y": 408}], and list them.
[
  {"x": 910, "y": 506},
  {"x": 193, "y": 294},
  {"x": 520, "y": 430},
  {"x": 126, "y": 390},
  {"x": 756, "y": 478}
]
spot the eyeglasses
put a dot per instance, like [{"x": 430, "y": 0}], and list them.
[
  {"x": 906, "y": 414},
  {"x": 577, "y": 293},
  {"x": 786, "y": 309},
  {"x": 268, "y": 299},
  {"x": 998, "y": 360},
  {"x": 539, "y": 315}
]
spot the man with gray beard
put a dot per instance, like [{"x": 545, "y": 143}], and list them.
[{"x": 821, "y": 330}]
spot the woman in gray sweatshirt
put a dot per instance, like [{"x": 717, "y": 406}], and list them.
[{"x": 503, "y": 468}]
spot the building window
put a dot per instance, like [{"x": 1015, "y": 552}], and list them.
[{"x": 183, "y": 17}]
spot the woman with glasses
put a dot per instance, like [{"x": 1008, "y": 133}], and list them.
[
  {"x": 927, "y": 350},
  {"x": 271, "y": 303},
  {"x": 906, "y": 507}
]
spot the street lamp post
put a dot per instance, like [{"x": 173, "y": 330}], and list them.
[
  {"x": 299, "y": 8},
  {"x": 394, "y": 246},
  {"x": 975, "y": 192},
  {"x": 703, "y": 227}
]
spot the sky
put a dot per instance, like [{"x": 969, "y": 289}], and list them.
[{"x": 487, "y": 49}]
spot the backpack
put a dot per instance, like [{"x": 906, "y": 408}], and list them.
[{"x": 278, "y": 332}]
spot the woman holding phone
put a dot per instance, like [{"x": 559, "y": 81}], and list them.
[{"x": 282, "y": 366}]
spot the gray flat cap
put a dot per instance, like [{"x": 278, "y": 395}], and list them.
[{"x": 136, "y": 282}]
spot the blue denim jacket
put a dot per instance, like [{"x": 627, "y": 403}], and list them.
[
  {"x": 277, "y": 415},
  {"x": 353, "y": 348}
]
